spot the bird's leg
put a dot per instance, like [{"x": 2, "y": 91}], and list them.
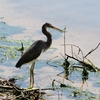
[{"x": 32, "y": 75}]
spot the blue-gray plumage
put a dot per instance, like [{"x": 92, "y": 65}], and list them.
[{"x": 34, "y": 51}]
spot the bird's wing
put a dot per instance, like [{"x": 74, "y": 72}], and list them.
[{"x": 31, "y": 53}]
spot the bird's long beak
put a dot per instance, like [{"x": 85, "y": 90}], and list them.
[{"x": 55, "y": 28}]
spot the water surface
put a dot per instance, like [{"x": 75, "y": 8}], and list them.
[{"x": 23, "y": 20}]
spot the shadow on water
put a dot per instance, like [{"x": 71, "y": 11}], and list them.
[{"x": 7, "y": 30}]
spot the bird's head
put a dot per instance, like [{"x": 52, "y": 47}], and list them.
[{"x": 53, "y": 27}]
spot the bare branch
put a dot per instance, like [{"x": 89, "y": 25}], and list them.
[
  {"x": 92, "y": 50},
  {"x": 79, "y": 51},
  {"x": 50, "y": 60}
]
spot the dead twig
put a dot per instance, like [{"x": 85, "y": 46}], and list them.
[
  {"x": 64, "y": 41},
  {"x": 50, "y": 60},
  {"x": 79, "y": 51},
  {"x": 92, "y": 50}
]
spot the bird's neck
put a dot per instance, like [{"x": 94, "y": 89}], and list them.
[{"x": 48, "y": 35}]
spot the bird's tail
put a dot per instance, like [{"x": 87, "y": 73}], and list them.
[{"x": 18, "y": 65}]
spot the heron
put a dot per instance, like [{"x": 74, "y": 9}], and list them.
[{"x": 35, "y": 50}]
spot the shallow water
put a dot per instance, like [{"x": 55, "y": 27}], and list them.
[{"x": 23, "y": 20}]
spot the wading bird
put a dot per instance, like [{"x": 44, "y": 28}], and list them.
[{"x": 34, "y": 51}]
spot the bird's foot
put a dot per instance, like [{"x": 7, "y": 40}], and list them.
[{"x": 31, "y": 87}]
